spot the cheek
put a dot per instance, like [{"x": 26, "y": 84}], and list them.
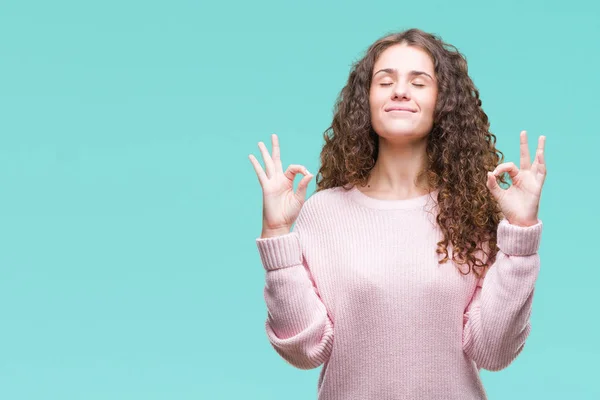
[
  {"x": 434, "y": 98},
  {"x": 372, "y": 98},
  {"x": 378, "y": 99},
  {"x": 374, "y": 104},
  {"x": 429, "y": 102}
]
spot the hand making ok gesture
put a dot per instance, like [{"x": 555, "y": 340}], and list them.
[
  {"x": 281, "y": 205},
  {"x": 520, "y": 202}
]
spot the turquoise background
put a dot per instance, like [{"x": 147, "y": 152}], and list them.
[{"x": 129, "y": 209}]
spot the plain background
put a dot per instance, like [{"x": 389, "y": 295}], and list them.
[{"x": 129, "y": 209}]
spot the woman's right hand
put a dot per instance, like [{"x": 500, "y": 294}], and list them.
[{"x": 281, "y": 205}]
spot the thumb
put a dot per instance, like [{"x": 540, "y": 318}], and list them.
[
  {"x": 493, "y": 185},
  {"x": 302, "y": 186}
]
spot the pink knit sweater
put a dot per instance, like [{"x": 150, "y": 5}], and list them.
[{"x": 356, "y": 287}]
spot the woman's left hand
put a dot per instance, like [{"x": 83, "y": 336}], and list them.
[{"x": 520, "y": 202}]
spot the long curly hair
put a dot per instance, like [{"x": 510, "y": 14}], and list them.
[{"x": 460, "y": 149}]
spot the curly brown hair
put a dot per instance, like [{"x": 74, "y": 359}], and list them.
[{"x": 460, "y": 149}]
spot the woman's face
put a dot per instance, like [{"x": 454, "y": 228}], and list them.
[{"x": 403, "y": 93}]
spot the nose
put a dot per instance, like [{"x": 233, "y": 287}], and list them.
[{"x": 400, "y": 91}]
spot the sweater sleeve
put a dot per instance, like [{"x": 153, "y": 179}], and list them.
[
  {"x": 497, "y": 319},
  {"x": 297, "y": 325}
]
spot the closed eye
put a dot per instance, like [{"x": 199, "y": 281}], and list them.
[{"x": 388, "y": 84}]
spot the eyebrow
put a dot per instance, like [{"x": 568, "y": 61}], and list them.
[{"x": 394, "y": 71}]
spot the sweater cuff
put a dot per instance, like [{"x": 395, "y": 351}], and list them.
[
  {"x": 280, "y": 251},
  {"x": 515, "y": 240}
]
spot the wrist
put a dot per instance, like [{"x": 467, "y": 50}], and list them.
[
  {"x": 268, "y": 233},
  {"x": 523, "y": 224}
]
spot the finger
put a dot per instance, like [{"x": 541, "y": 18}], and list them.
[
  {"x": 262, "y": 177},
  {"x": 293, "y": 169},
  {"x": 525, "y": 157},
  {"x": 509, "y": 167},
  {"x": 539, "y": 154},
  {"x": 269, "y": 167},
  {"x": 493, "y": 186},
  {"x": 303, "y": 185},
  {"x": 540, "y": 162},
  {"x": 276, "y": 152}
]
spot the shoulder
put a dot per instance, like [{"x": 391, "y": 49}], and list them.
[
  {"x": 325, "y": 199},
  {"x": 322, "y": 205}
]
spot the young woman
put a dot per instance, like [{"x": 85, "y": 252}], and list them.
[{"x": 410, "y": 268}]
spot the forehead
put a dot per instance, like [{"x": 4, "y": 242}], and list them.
[{"x": 404, "y": 58}]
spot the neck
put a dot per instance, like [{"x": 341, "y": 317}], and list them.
[{"x": 395, "y": 174}]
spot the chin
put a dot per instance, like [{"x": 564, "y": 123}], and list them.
[
  {"x": 402, "y": 131},
  {"x": 399, "y": 134}
]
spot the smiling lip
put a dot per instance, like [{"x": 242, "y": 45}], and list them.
[{"x": 400, "y": 109}]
